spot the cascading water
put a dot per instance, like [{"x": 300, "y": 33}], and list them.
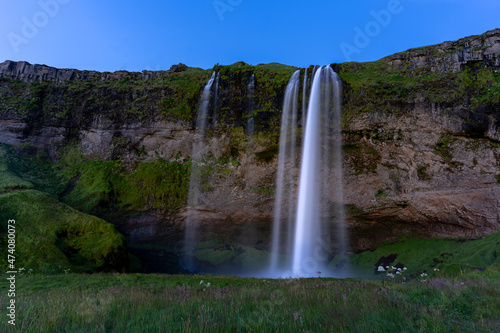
[
  {"x": 194, "y": 198},
  {"x": 318, "y": 183},
  {"x": 284, "y": 207},
  {"x": 319, "y": 205}
]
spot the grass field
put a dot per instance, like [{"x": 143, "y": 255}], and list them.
[{"x": 203, "y": 303}]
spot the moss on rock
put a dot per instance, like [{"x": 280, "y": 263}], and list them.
[{"x": 50, "y": 235}]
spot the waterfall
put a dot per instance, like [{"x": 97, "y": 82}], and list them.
[
  {"x": 317, "y": 211},
  {"x": 250, "y": 106},
  {"x": 320, "y": 177},
  {"x": 216, "y": 101},
  {"x": 316, "y": 67},
  {"x": 198, "y": 144},
  {"x": 284, "y": 207},
  {"x": 194, "y": 195}
]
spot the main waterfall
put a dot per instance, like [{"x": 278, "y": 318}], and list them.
[{"x": 319, "y": 203}]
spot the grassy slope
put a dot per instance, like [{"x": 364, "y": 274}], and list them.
[
  {"x": 451, "y": 256},
  {"x": 155, "y": 303},
  {"x": 50, "y": 235}
]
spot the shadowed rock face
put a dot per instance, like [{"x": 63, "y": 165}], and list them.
[{"x": 427, "y": 168}]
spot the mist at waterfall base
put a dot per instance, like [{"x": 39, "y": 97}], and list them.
[{"x": 308, "y": 228}]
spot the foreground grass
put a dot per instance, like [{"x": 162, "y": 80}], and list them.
[{"x": 162, "y": 303}]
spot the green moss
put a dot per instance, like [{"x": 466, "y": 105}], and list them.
[
  {"x": 26, "y": 172},
  {"x": 157, "y": 185},
  {"x": 267, "y": 155},
  {"x": 364, "y": 158},
  {"x": 265, "y": 191},
  {"x": 479, "y": 86},
  {"x": 381, "y": 194},
  {"x": 215, "y": 257},
  {"x": 94, "y": 186},
  {"x": 52, "y": 237},
  {"x": 252, "y": 259},
  {"x": 443, "y": 147},
  {"x": 422, "y": 172},
  {"x": 108, "y": 187},
  {"x": 422, "y": 255},
  {"x": 9, "y": 179},
  {"x": 375, "y": 87}
]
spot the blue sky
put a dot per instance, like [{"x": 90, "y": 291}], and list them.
[{"x": 111, "y": 35}]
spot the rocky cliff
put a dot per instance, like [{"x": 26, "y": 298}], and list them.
[
  {"x": 26, "y": 72},
  {"x": 420, "y": 136},
  {"x": 451, "y": 56}
]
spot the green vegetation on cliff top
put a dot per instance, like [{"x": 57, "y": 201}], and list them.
[
  {"x": 374, "y": 86},
  {"x": 174, "y": 95}
]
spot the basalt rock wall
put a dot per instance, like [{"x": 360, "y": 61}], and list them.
[{"x": 420, "y": 137}]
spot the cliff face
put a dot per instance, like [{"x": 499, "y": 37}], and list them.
[
  {"x": 27, "y": 72},
  {"x": 421, "y": 141},
  {"x": 451, "y": 56}
]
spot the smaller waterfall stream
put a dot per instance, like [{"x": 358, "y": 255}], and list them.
[
  {"x": 284, "y": 207},
  {"x": 194, "y": 195}
]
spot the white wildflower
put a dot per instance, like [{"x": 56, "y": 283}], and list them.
[{"x": 380, "y": 269}]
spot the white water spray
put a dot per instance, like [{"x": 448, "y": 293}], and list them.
[{"x": 321, "y": 154}]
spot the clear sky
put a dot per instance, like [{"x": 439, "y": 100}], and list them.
[{"x": 109, "y": 35}]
